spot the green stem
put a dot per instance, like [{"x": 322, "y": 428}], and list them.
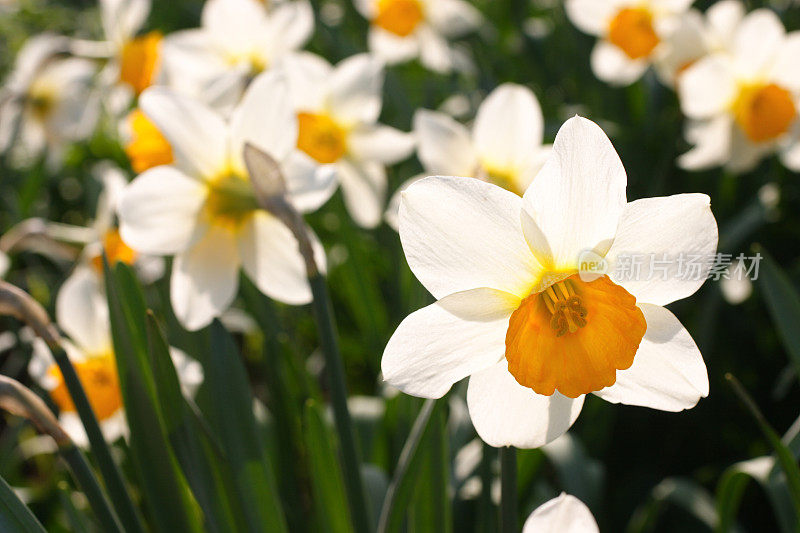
[
  {"x": 335, "y": 370},
  {"x": 91, "y": 488},
  {"x": 508, "y": 493},
  {"x": 108, "y": 468},
  {"x": 404, "y": 462}
]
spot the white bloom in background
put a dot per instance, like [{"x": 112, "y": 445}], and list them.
[
  {"x": 735, "y": 284},
  {"x": 743, "y": 104},
  {"x": 698, "y": 35},
  {"x": 564, "y": 514},
  {"x": 337, "y": 111},
  {"x": 237, "y": 39},
  {"x": 5, "y": 264},
  {"x": 82, "y": 312},
  {"x": 632, "y": 33},
  {"x": 47, "y": 101},
  {"x": 202, "y": 207},
  {"x": 514, "y": 314},
  {"x": 504, "y": 147},
  {"x": 401, "y": 30}
]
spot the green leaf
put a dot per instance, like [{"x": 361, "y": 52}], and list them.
[
  {"x": 683, "y": 493},
  {"x": 163, "y": 486},
  {"x": 783, "y": 303},
  {"x": 231, "y": 416},
  {"x": 15, "y": 517},
  {"x": 330, "y": 495}
]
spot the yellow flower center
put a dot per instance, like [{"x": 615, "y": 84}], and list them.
[
  {"x": 116, "y": 251},
  {"x": 764, "y": 112},
  {"x": 98, "y": 375},
  {"x": 632, "y": 31},
  {"x": 139, "y": 61},
  {"x": 500, "y": 176},
  {"x": 41, "y": 103},
  {"x": 400, "y": 17},
  {"x": 573, "y": 336},
  {"x": 321, "y": 137},
  {"x": 230, "y": 201},
  {"x": 148, "y": 148}
]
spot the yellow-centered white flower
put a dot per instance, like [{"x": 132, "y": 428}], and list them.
[
  {"x": 742, "y": 102},
  {"x": 633, "y": 34},
  {"x": 82, "y": 312},
  {"x": 514, "y": 314},
  {"x": 401, "y": 30},
  {"x": 337, "y": 110},
  {"x": 202, "y": 208},
  {"x": 504, "y": 146},
  {"x": 237, "y": 39},
  {"x": 563, "y": 514}
]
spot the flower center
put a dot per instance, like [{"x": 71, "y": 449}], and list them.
[
  {"x": 573, "y": 336},
  {"x": 632, "y": 31},
  {"x": 41, "y": 104},
  {"x": 148, "y": 148},
  {"x": 98, "y": 375},
  {"x": 502, "y": 177},
  {"x": 230, "y": 201},
  {"x": 400, "y": 17},
  {"x": 764, "y": 112},
  {"x": 139, "y": 61},
  {"x": 116, "y": 251},
  {"x": 321, "y": 137}
]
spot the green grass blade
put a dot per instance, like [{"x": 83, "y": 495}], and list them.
[
  {"x": 15, "y": 517},
  {"x": 783, "y": 303}
]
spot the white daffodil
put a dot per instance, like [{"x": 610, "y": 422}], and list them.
[
  {"x": 632, "y": 33},
  {"x": 504, "y": 147},
  {"x": 743, "y": 104},
  {"x": 82, "y": 312},
  {"x": 401, "y": 30},
  {"x": 237, "y": 39},
  {"x": 515, "y": 313},
  {"x": 698, "y": 35},
  {"x": 564, "y": 514},
  {"x": 337, "y": 111},
  {"x": 203, "y": 209},
  {"x": 46, "y": 102}
]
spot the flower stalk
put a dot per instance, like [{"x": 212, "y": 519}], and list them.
[
  {"x": 270, "y": 192},
  {"x": 508, "y": 490}
]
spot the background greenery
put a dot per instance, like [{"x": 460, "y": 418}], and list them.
[{"x": 636, "y": 468}]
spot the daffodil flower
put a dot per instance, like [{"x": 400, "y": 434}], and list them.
[
  {"x": 237, "y": 39},
  {"x": 47, "y": 101},
  {"x": 742, "y": 103},
  {"x": 401, "y": 30},
  {"x": 202, "y": 208},
  {"x": 337, "y": 111},
  {"x": 82, "y": 312},
  {"x": 632, "y": 33},
  {"x": 504, "y": 147},
  {"x": 145, "y": 146},
  {"x": 565, "y": 514},
  {"x": 514, "y": 311}
]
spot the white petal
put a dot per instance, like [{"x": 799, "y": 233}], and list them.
[
  {"x": 81, "y": 310},
  {"x": 453, "y": 17},
  {"x": 564, "y": 514},
  {"x": 292, "y": 24},
  {"x": 507, "y": 414},
  {"x": 392, "y": 48},
  {"x": 123, "y": 18},
  {"x": 463, "y": 233},
  {"x": 380, "y": 143},
  {"x": 591, "y": 16},
  {"x": 235, "y": 26},
  {"x": 713, "y": 143},
  {"x": 205, "y": 279},
  {"x": 270, "y": 258},
  {"x": 444, "y": 145},
  {"x": 197, "y": 134},
  {"x": 264, "y": 118},
  {"x": 707, "y": 88},
  {"x": 757, "y": 42},
  {"x": 575, "y": 202},
  {"x": 5, "y": 263},
  {"x": 443, "y": 343},
  {"x": 724, "y": 18},
  {"x": 159, "y": 210},
  {"x": 392, "y": 214},
  {"x": 309, "y": 184},
  {"x": 786, "y": 69},
  {"x": 308, "y": 76},
  {"x": 364, "y": 188},
  {"x": 355, "y": 90},
  {"x": 668, "y": 372},
  {"x": 435, "y": 52},
  {"x": 613, "y": 66},
  {"x": 675, "y": 240},
  {"x": 508, "y": 128},
  {"x": 684, "y": 45}
]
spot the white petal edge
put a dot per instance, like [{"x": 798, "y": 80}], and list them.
[
  {"x": 444, "y": 145},
  {"x": 563, "y": 514}
]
